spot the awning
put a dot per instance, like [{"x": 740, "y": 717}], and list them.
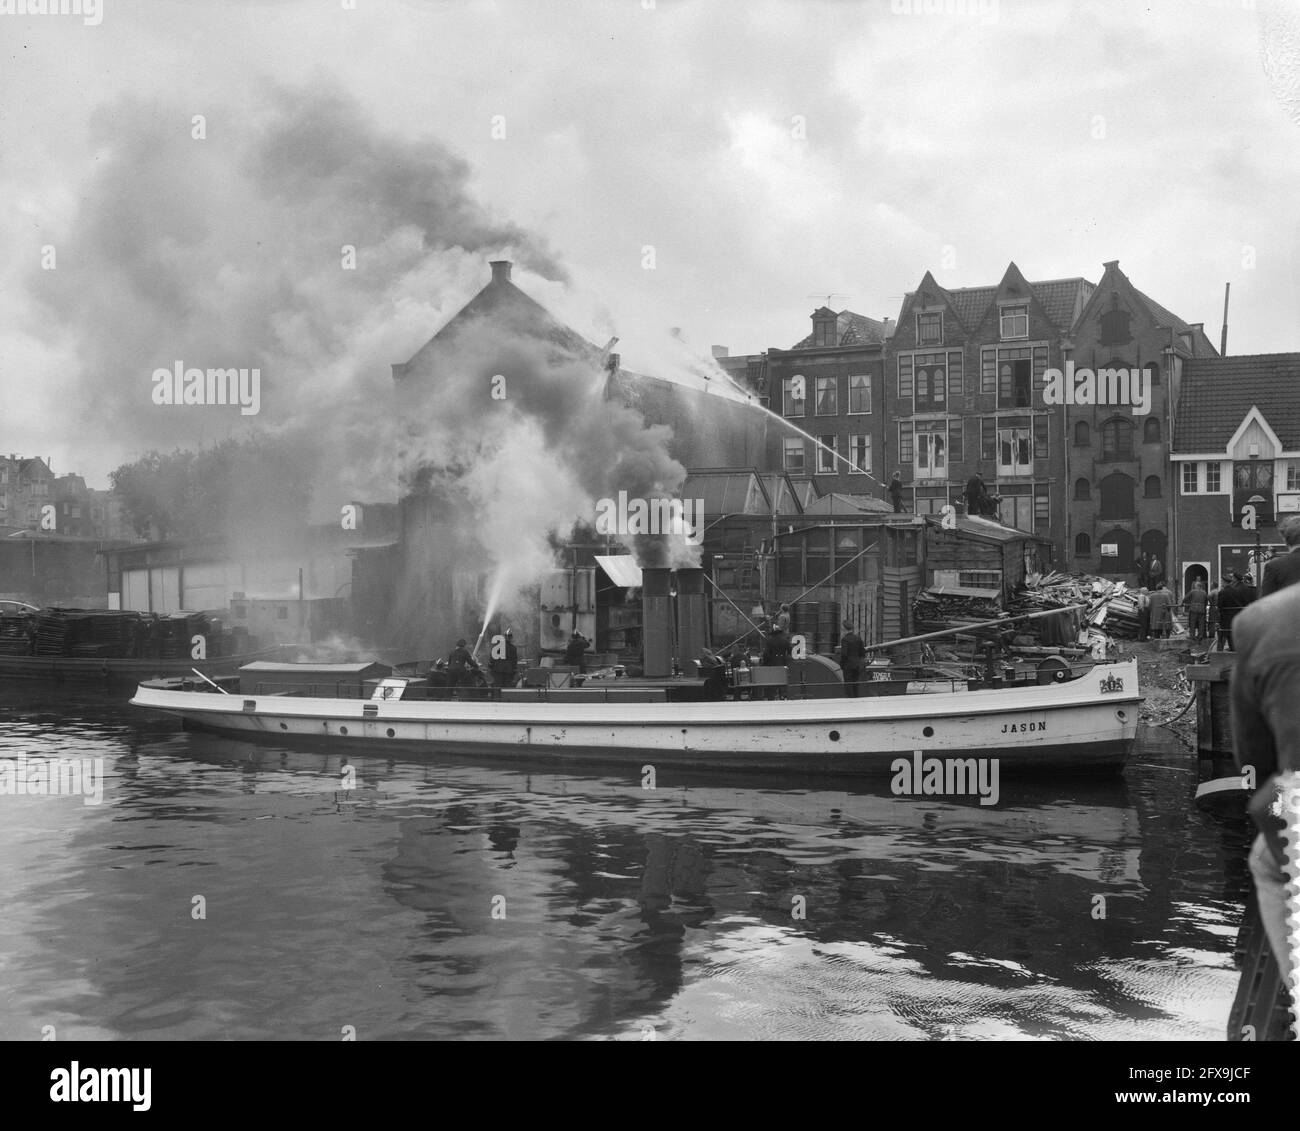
[{"x": 621, "y": 569}]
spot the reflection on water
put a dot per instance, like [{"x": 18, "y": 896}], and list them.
[{"x": 447, "y": 900}]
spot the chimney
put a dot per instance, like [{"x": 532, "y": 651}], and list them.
[
  {"x": 500, "y": 270},
  {"x": 1111, "y": 263},
  {"x": 888, "y": 324},
  {"x": 692, "y": 613},
  {"x": 719, "y": 352},
  {"x": 656, "y": 622}
]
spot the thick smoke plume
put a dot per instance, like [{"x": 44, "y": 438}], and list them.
[
  {"x": 232, "y": 250},
  {"x": 228, "y": 252}
]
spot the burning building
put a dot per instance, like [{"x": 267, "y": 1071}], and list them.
[{"x": 515, "y": 428}]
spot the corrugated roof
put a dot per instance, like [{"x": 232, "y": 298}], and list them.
[
  {"x": 621, "y": 569},
  {"x": 984, "y": 528},
  {"x": 1218, "y": 392},
  {"x": 838, "y": 502}
]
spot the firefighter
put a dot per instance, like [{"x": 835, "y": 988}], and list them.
[
  {"x": 575, "y": 651},
  {"x": 459, "y": 665},
  {"x": 505, "y": 668}
]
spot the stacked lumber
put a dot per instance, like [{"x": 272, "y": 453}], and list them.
[
  {"x": 13, "y": 636},
  {"x": 943, "y": 607}
]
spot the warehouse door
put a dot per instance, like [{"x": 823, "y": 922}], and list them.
[{"x": 1116, "y": 551}]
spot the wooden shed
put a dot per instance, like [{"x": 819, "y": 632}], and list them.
[{"x": 979, "y": 553}]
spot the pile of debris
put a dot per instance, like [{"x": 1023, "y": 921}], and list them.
[{"x": 1110, "y": 607}]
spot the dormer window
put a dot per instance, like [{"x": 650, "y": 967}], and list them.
[
  {"x": 1015, "y": 321},
  {"x": 929, "y": 328},
  {"x": 826, "y": 332}
]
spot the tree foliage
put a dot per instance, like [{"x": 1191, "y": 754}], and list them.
[{"x": 248, "y": 485}]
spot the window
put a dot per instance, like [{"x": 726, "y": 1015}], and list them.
[
  {"x": 1013, "y": 383},
  {"x": 282, "y": 612},
  {"x": 954, "y": 374},
  {"x": 1082, "y": 546},
  {"x": 824, "y": 332},
  {"x": 1202, "y": 478},
  {"x": 931, "y": 500},
  {"x": 954, "y": 441},
  {"x": 1082, "y": 434},
  {"x": 929, "y": 328},
  {"x": 793, "y": 396},
  {"x": 1293, "y": 476},
  {"x": 848, "y": 545},
  {"x": 859, "y": 393},
  {"x": 1116, "y": 439},
  {"x": 1013, "y": 451},
  {"x": 827, "y": 388},
  {"x": 827, "y": 461},
  {"x": 988, "y": 438},
  {"x": 1151, "y": 488},
  {"x": 1042, "y": 509},
  {"x": 1040, "y": 437},
  {"x": 1015, "y": 322},
  {"x": 817, "y": 565},
  {"x": 931, "y": 383},
  {"x": 1154, "y": 370},
  {"x": 860, "y": 453},
  {"x": 905, "y": 442},
  {"x": 1151, "y": 431},
  {"x": 1082, "y": 490},
  {"x": 793, "y": 454},
  {"x": 905, "y": 375},
  {"x": 932, "y": 451},
  {"x": 1117, "y": 496}
]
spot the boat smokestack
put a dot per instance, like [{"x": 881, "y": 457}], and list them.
[
  {"x": 656, "y": 622},
  {"x": 692, "y": 614}
]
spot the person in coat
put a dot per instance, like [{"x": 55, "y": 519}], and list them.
[
  {"x": 1284, "y": 569},
  {"x": 853, "y": 655}
]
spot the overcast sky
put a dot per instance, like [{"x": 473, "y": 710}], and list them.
[{"x": 770, "y": 154}]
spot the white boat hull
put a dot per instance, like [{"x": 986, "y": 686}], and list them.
[{"x": 1087, "y": 723}]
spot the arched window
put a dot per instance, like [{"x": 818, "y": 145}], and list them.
[
  {"x": 1082, "y": 489},
  {"x": 1151, "y": 489},
  {"x": 1151, "y": 431},
  {"x": 1153, "y": 368},
  {"x": 1117, "y": 439},
  {"x": 1117, "y": 496},
  {"x": 1082, "y": 546},
  {"x": 1082, "y": 434}
]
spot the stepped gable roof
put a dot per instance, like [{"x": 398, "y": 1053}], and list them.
[{"x": 1218, "y": 392}]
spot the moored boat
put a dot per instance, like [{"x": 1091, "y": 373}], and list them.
[{"x": 1085, "y": 723}]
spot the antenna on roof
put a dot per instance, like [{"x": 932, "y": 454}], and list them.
[{"x": 829, "y": 296}]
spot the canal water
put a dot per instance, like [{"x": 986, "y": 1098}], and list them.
[{"x": 222, "y": 890}]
